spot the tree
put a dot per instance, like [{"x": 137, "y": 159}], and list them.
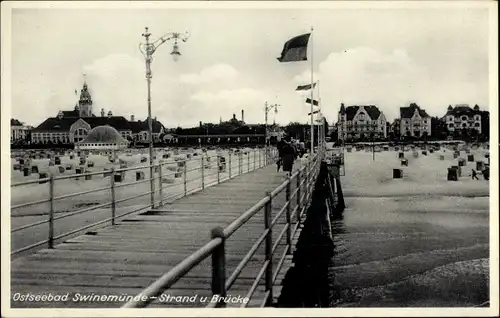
[
  {"x": 326, "y": 126},
  {"x": 296, "y": 130},
  {"x": 334, "y": 135},
  {"x": 439, "y": 130},
  {"x": 485, "y": 125},
  {"x": 425, "y": 134}
]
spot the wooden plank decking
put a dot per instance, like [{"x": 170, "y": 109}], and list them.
[{"x": 125, "y": 258}]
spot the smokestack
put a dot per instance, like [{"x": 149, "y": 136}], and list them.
[
  {"x": 102, "y": 112},
  {"x": 201, "y": 123},
  {"x": 132, "y": 118},
  {"x": 242, "y": 115}
]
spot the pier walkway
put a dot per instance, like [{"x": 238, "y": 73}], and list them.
[{"x": 233, "y": 239}]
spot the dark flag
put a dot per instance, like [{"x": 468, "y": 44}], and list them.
[
  {"x": 315, "y": 103},
  {"x": 314, "y": 112},
  {"x": 76, "y": 92},
  {"x": 295, "y": 50},
  {"x": 305, "y": 87}
]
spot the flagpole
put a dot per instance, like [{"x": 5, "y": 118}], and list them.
[
  {"x": 319, "y": 125},
  {"x": 312, "y": 93}
]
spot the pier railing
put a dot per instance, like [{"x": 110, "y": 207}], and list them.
[
  {"x": 289, "y": 201},
  {"x": 172, "y": 179}
]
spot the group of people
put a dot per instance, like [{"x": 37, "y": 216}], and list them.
[
  {"x": 287, "y": 154},
  {"x": 485, "y": 172}
]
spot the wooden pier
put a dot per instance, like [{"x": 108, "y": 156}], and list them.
[{"x": 122, "y": 260}]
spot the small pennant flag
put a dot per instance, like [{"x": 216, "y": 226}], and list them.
[
  {"x": 76, "y": 92},
  {"x": 314, "y": 112},
  {"x": 315, "y": 103},
  {"x": 295, "y": 50},
  {"x": 305, "y": 87}
]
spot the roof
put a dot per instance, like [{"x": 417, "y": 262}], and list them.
[
  {"x": 462, "y": 109},
  {"x": 71, "y": 113},
  {"x": 372, "y": 111},
  {"x": 407, "y": 112},
  {"x": 247, "y": 129},
  {"x": 104, "y": 134},
  {"x": 56, "y": 124},
  {"x": 138, "y": 126},
  {"x": 222, "y": 130},
  {"x": 15, "y": 122},
  {"x": 117, "y": 122},
  {"x": 120, "y": 123}
]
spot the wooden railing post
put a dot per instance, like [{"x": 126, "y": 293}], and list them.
[
  {"x": 269, "y": 247},
  {"x": 219, "y": 266},
  {"x": 152, "y": 182},
  {"x": 254, "y": 159},
  {"x": 306, "y": 182},
  {"x": 160, "y": 179},
  {"x": 239, "y": 163},
  {"x": 299, "y": 195},
  {"x": 203, "y": 171},
  {"x": 230, "y": 165},
  {"x": 185, "y": 177},
  {"x": 218, "y": 168},
  {"x": 289, "y": 215},
  {"x": 113, "y": 196},
  {"x": 51, "y": 212}
]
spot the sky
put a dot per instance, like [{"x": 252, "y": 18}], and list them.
[{"x": 387, "y": 57}]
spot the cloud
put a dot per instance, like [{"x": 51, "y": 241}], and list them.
[
  {"x": 363, "y": 75},
  {"x": 117, "y": 83},
  {"x": 214, "y": 73},
  {"x": 226, "y": 102}
]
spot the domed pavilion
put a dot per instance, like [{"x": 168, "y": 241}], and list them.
[{"x": 103, "y": 138}]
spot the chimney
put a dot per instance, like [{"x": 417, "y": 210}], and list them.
[
  {"x": 110, "y": 114},
  {"x": 132, "y": 118},
  {"x": 102, "y": 112},
  {"x": 234, "y": 116},
  {"x": 242, "y": 115},
  {"x": 201, "y": 123}
]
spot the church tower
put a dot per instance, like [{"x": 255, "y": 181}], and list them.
[{"x": 85, "y": 102}]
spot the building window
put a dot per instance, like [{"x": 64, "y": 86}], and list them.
[
  {"x": 464, "y": 117},
  {"x": 80, "y": 134}
]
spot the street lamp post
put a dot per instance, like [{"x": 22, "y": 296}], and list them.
[
  {"x": 267, "y": 108},
  {"x": 147, "y": 49}
]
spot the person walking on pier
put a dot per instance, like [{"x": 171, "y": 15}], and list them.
[
  {"x": 280, "y": 147},
  {"x": 474, "y": 175},
  {"x": 289, "y": 155}
]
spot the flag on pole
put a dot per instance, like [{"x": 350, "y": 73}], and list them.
[
  {"x": 305, "y": 87},
  {"x": 295, "y": 50},
  {"x": 314, "y": 112},
  {"x": 76, "y": 92},
  {"x": 315, "y": 102}
]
